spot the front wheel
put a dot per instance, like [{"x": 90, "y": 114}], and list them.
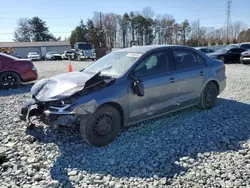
[
  {"x": 208, "y": 96},
  {"x": 102, "y": 127}
]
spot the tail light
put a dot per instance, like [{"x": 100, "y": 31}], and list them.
[{"x": 32, "y": 66}]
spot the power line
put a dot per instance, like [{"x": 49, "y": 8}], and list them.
[{"x": 228, "y": 17}]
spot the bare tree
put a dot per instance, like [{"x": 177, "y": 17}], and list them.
[
  {"x": 22, "y": 32},
  {"x": 147, "y": 12},
  {"x": 235, "y": 29},
  {"x": 110, "y": 23}
]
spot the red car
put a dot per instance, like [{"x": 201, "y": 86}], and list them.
[{"x": 14, "y": 71}]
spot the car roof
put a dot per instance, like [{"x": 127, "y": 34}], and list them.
[{"x": 147, "y": 48}]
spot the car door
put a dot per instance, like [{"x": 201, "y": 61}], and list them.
[
  {"x": 156, "y": 72},
  {"x": 191, "y": 73},
  {"x": 234, "y": 54}
]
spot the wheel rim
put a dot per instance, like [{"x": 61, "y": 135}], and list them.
[
  {"x": 209, "y": 96},
  {"x": 104, "y": 125},
  {"x": 9, "y": 80}
]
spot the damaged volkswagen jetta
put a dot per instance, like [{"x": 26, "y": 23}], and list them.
[{"x": 125, "y": 87}]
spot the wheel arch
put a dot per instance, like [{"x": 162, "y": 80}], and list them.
[
  {"x": 12, "y": 71},
  {"x": 118, "y": 107},
  {"x": 213, "y": 81}
]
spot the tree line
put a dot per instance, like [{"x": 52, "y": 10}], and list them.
[
  {"x": 112, "y": 30},
  {"x": 33, "y": 29}
]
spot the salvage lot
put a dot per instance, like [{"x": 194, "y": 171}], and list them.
[{"x": 185, "y": 149}]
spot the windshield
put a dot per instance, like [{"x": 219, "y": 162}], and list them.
[
  {"x": 119, "y": 63},
  {"x": 33, "y": 53},
  {"x": 222, "y": 50},
  {"x": 84, "y": 46},
  {"x": 9, "y": 56}
]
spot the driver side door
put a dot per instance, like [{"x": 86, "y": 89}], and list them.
[
  {"x": 156, "y": 73},
  {"x": 234, "y": 54}
]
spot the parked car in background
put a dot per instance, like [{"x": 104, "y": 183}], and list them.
[
  {"x": 53, "y": 56},
  {"x": 68, "y": 54},
  {"x": 230, "y": 46},
  {"x": 34, "y": 56},
  {"x": 245, "y": 57},
  {"x": 245, "y": 45},
  {"x": 14, "y": 71},
  {"x": 205, "y": 50},
  {"x": 125, "y": 87},
  {"x": 227, "y": 55}
]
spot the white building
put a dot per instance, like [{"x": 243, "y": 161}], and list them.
[{"x": 23, "y": 48}]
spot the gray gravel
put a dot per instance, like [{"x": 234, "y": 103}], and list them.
[{"x": 192, "y": 148}]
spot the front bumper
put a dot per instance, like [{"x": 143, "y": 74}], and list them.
[
  {"x": 87, "y": 57},
  {"x": 245, "y": 59},
  {"x": 34, "y": 58},
  {"x": 50, "y": 116},
  {"x": 56, "y": 57}
]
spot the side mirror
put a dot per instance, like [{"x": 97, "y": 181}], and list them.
[
  {"x": 138, "y": 86},
  {"x": 229, "y": 52}
]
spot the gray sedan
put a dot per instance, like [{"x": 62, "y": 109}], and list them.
[{"x": 125, "y": 87}]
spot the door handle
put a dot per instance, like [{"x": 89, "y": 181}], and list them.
[
  {"x": 201, "y": 73},
  {"x": 172, "y": 80}
]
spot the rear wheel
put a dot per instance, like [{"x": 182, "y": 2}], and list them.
[
  {"x": 9, "y": 80},
  {"x": 102, "y": 127},
  {"x": 208, "y": 96}
]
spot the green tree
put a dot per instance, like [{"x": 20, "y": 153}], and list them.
[
  {"x": 185, "y": 30},
  {"x": 39, "y": 31},
  {"x": 124, "y": 23}
]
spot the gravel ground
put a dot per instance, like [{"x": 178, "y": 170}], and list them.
[{"x": 192, "y": 148}]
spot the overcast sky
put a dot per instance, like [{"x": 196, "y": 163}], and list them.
[{"x": 62, "y": 15}]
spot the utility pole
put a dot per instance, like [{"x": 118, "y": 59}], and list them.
[
  {"x": 101, "y": 20},
  {"x": 198, "y": 32},
  {"x": 228, "y": 18}
]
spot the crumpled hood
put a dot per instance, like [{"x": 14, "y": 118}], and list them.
[{"x": 60, "y": 86}]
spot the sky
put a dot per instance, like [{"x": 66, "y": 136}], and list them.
[{"x": 62, "y": 16}]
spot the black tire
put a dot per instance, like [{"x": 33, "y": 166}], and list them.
[
  {"x": 102, "y": 127},
  {"x": 208, "y": 96},
  {"x": 10, "y": 80}
]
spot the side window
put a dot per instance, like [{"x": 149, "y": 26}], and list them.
[
  {"x": 155, "y": 63},
  {"x": 186, "y": 58},
  {"x": 236, "y": 50}
]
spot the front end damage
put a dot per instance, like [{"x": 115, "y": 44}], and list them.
[{"x": 62, "y": 109}]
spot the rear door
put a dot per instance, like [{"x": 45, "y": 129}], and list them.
[
  {"x": 191, "y": 73},
  {"x": 156, "y": 73}
]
